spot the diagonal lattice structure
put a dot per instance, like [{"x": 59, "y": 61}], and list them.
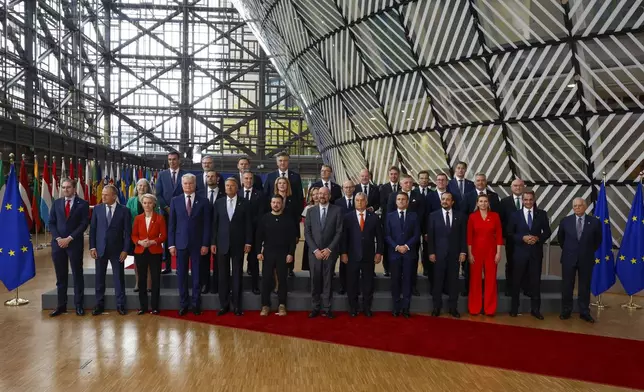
[{"x": 550, "y": 91}]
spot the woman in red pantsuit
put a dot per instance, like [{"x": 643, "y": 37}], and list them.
[{"x": 484, "y": 241}]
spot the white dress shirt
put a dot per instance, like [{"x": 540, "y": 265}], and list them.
[
  {"x": 148, "y": 219},
  {"x": 365, "y": 189},
  {"x": 525, "y": 214},
  {"x": 231, "y": 203},
  {"x": 112, "y": 206},
  {"x": 451, "y": 216},
  {"x": 210, "y": 193},
  {"x": 327, "y": 210},
  {"x": 347, "y": 199},
  {"x": 192, "y": 199},
  {"x": 279, "y": 173}
]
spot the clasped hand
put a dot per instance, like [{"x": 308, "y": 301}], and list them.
[{"x": 530, "y": 239}]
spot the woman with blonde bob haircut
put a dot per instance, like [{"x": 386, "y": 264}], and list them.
[{"x": 136, "y": 208}]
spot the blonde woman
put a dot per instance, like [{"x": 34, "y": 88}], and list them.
[{"x": 136, "y": 208}]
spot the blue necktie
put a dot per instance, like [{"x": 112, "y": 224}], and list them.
[
  {"x": 402, "y": 220},
  {"x": 530, "y": 219}
]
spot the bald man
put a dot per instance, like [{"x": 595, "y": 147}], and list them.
[{"x": 373, "y": 193}]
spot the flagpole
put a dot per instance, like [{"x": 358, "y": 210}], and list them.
[
  {"x": 599, "y": 304},
  {"x": 46, "y": 243},
  {"x": 16, "y": 301},
  {"x": 630, "y": 305}
]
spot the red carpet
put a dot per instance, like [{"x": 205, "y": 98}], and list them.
[{"x": 558, "y": 354}]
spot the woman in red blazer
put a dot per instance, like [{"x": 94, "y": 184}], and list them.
[
  {"x": 484, "y": 241},
  {"x": 148, "y": 234}
]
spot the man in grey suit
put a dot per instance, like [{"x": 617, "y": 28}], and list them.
[{"x": 322, "y": 232}]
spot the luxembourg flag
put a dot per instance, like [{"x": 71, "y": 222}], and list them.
[{"x": 45, "y": 196}]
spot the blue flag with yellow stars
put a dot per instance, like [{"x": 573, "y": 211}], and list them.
[
  {"x": 630, "y": 258},
  {"x": 17, "y": 264},
  {"x": 604, "y": 269}
]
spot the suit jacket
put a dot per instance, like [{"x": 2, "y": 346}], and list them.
[
  {"x": 507, "y": 208},
  {"x": 409, "y": 235},
  {"x": 518, "y": 227},
  {"x": 257, "y": 205},
  {"x": 73, "y": 226},
  {"x": 416, "y": 204},
  {"x": 469, "y": 203},
  {"x": 220, "y": 194},
  {"x": 230, "y": 235},
  {"x": 328, "y": 237},
  {"x": 452, "y": 187},
  {"x": 336, "y": 190},
  {"x": 257, "y": 182},
  {"x": 110, "y": 241},
  {"x": 447, "y": 245},
  {"x": 342, "y": 203},
  {"x": 164, "y": 189},
  {"x": 293, "y": 177},
  {"x": 157, "y": 231},
  {"x": 359, "y": 244},
  {"x": 189, "y": 232},
  {"x": 581, "y": 250},
  {"x": 385, "y": 191},
  {"x": 434, "y": 202},
  {"x": 373, "y": 198}
]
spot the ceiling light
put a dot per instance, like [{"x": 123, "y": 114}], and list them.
[
  {"x": 572, "y": 85},
  {"x": 373, "y": 119}
]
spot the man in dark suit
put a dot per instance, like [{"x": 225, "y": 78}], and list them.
[
  {"x": 232, "y": 237},
  {"x": 468, "y": 205},
  {"x": 109, "y": 241},
  {"x": 346, "y": 205},
  {"x": 508, "y": 206},
  {"x": 433, "y": 204},
  {"x": 385, "y": 191},
  {"x": 529, "y": 228},
  {"x": 68, "y": 220},
  {"x": 369, "y": 189},
  {"x": 459, "y": 186},
  {"x": 447, "y": 242},
  {"x": 402, "y": 234},
  {"x": 243, "y": 165},
  {"x": 168, "y": 186},
  {"x": 207, "y": 164},
  {"x": 325, "y": 182},
  {"x": 257, "y": 205},
  {"x": 360, "y": 231},
  {"x": 283, "y": 171},
  {"x": 579, "y": 236},
  {"x": 213, "y": 193},
  {"x": 425, "y": 192},
  {"x": 189, "y": 238},
  {"x": 416, "y": 204},
  {"x": 322, "y": 232}
]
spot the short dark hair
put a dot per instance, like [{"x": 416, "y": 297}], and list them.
[
  {"x": 248, "y": 171},
  {"x": 423, "y": 172},
  {"x": 276, "y": 196},
  {"x": 402, "y": 193},
  {"x": 327, "y": 166},
  {"x": 243, "y": 158},
  {"x": 442, "y": 175},
  {"x": 482, "y": 196},
  {"x": 461, "y": 163},
  {"x": 534, "y": 195},
  {"x": 175, "y": 153},
  {"x": 282, "y": 154},
  {"x": 394, "y": 167}
]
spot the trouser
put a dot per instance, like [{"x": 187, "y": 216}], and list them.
[
  {"x": 483, "y": 293},
  {"x": 184, "y": 257},
  {"x": 385, "y": 258},
  {"x": 166, "y": 251},
  {"x": 224, "y": 262},
  {"x": 428, "y": 266},
  {"x": 531, "y": 265},
  {"x": 446, "y": 272},
  {"x": 402, "y": 270},
  {"x": 253, "y": 268},
  {"x": 357, "y": 284},
  {"x": 321, "y": 279},
  {"x": 276, "y": 261},
  {"x": 568, "y": 273},
  {"x": 343, "y": 275},
  {"x": 118, "y": 274},
  {"x": 414, "y": 272},
  {"x": 207, "y": 263},
  {"x": 509, "y": 269},
  {"x": 144, "y": 261},
  {"x": 61, "y": 257}
]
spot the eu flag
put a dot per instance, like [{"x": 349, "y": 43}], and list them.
[
  {"x": 604, "y": 269},
  {"x": 17, "y": 264},
  {"x": 630, "y": 258}
]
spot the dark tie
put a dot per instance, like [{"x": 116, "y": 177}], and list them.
[
  {"x": 530, "y": 219},
  {"x": 365, "y": 189},
  {"x": 402, "y": 220},
  {"x": 517, "y": 203},
  {"x": 326, "y": 185},
  {"x": 247, "y": 195},
  {"x": 481, "y": 193},
  {"x": 109, "y": 215},
  {"x": 174, "y": 179},
  {"x": 283, "y": 174},
  {"x": 424, "y": 190},
  {"x": 461, "y": 188},
  {"x": 349, "y": 200},
  {"x": 448, "y": 224},
  {"x": 212, "y": 196},
  {"x": 580, "y": 228},
  {"x": 394, "y": 187},
  {"x": 323, "y": 218},
  {"x": 189, "y": 206}
]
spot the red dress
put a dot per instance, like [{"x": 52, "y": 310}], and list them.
[{"x": 483, "y": 236}]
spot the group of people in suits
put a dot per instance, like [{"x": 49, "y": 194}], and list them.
[{"x": 458, "y": 227}]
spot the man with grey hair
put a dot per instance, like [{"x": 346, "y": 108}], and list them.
[{"x": 508, "y": 206}]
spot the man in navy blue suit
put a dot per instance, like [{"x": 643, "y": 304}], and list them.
[
  {"x": 232, "y": 236},
  {"x": 283, "y": 171},
  {"x": 365, "y": 186},
  {"x": 168, "y": 186},
  {"x": 109, "y": 241},
  {"x": 189, "y": 239},
  {"x": 385, "y": 192},
  {"x": 243, "y": 165},
  {"x": 346, "y": 204},
  {"x": 325, "y": 181},
  {"x": 207, "y": 165},
  {"x": 257, "y": 205},
  {"x": 579, "y": 236},
  {"x": 459, "y": 186},
  {"x": 402, "y": 234},
  {"x": 68, "y": 220},
  {"x": 447, "y": 242},
  {"x": 360, "y": 231},
  {"x": 213, "y": 193},
  {"x": 529, "y": 229},
  {"x": 433, "y": 203}
]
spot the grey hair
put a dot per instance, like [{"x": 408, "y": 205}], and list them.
[
  {"x": 360, "y": 194},
  {"x": 149, "y": 196},
  {"x": 189, "y": 176},
  {"x": 142, "y": 180}
]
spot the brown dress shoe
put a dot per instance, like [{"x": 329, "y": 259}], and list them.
[
  {"x": 281, "y": 310},
  {"x": 265, "y": 310}
]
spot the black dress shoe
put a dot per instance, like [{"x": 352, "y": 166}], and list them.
[
  {"x": 141, "y": 312},
  {"x": 58, "y": 312},
  {"x": 454, "y": 313},
  {"x": 405, "y": 313},
  {"x": 155, "y": 311},
  {"x": 587, "y": 318},
  {"x": 166, "y": 271},
  {"x": 536, "y": 314},
  {"x": 314, "y": 313},
  {"x": 256, "y": 291},
  {"x": 196, "y": 311},
  {"x": 80, "y": 311},
  {"x": 415, "y": 292},
  {"x": 291, "y": 273},
  {"x": 395, "y": 313},
  {"x": 121, "y": 311},
  {"x": 353, "y": 313},
  {"x": 183, "y": 311},
  {"x": 513, "y": 314},
  {"x": 564, "y": 316},
  {"x": 149, "y": 290},
  {"x": 342, "y": 292},
  {"x": 136, "y": 290},
  {"x": 205, "y": 289},
  {"x": 436, "y": 312},
  {"x": 223, "y": 311},
  {"x": 98, "y": 310},
  {"x": 387, "y": 274},
  {"x": 368, "y": 313},
  {"x": 328, "y": 314},
  {"x": 238, "y": 312}
]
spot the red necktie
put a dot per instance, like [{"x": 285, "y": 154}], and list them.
[
  {"x": 68, "y": 207},
  {"x": 361, "y": 221},
  {"x": 189, "y": 207}
]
